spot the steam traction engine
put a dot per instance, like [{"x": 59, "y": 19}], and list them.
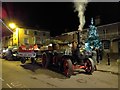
[{"x": 67, "y": 63}]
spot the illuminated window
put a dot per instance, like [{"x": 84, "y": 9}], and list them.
[
  {"x": 34, "y": 40},
  {"x": 26, "y": 32},
  {"x": 26, "y": 40}
]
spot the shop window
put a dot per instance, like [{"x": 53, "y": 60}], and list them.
[{"x": 107, "y": 45}]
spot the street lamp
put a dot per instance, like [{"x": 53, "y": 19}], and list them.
[{"x": 12, "y": 25}]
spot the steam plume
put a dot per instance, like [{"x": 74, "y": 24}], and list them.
[{"x": 80, "y": 6}]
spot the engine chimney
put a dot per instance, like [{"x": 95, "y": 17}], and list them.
[{"x": 78, "y": 38}]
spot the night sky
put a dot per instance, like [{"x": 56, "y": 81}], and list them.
[{"x": 57, "y": 17}]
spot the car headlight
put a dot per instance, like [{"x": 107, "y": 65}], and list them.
[
  {"x": 14, "y": 54},
  {"x": 4, "y": 51}
]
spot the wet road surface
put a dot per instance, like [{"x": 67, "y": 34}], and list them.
[{"x": 16, "y": 75}]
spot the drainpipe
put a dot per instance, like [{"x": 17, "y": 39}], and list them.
[{"x": 111, "y": 45}]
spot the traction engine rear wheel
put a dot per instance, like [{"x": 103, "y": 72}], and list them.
[
  {"x": 45, "y": 60},
  {"x": 67, "y": 65}
]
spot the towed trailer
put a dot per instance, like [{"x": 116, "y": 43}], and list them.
[{"x": 25, "y": 53}]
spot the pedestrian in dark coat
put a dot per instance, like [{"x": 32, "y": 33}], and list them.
[
  {"x": 94, "y": 57},
  {"x": 97, "y": 51},
  {"x": 100, "y": 54}
]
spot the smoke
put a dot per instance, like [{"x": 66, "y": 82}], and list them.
[{"x": 80, "y": 7}]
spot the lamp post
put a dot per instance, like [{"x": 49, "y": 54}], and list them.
[{"x": 17, "y": 32}]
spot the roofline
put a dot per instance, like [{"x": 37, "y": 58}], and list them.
[
  {"x": 6, "y": 25},
  {"x": 34, "y": 29},
  {"x": 88, "y": 28},
  {"x": 108, "y": 24}
]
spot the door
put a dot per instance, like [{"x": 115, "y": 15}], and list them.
[{"x": 119, "y": 47}]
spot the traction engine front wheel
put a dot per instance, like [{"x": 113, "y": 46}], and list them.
[{"x": 89, "y": 66}]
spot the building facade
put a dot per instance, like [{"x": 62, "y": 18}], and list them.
[
  {"x": 109, "y": 35},
  {"x": 7, "y": 41},
  {"x": 25, "y": 36},
  {"x": 30, "y": 36},
  {"x": 5, "y": 35}
]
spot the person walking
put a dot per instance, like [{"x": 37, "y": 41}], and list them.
[
  {"x": 97, "y": 56},
  {"x": 100, "y": 54},
  {"x": 94, "y": 57}
]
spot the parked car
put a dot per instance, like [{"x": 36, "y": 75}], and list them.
[{"x": 9, "y": 53}]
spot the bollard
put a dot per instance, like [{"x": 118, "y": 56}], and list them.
[{"x": 108, "y": 59}]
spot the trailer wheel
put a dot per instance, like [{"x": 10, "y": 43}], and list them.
[
  {"x": 45, "y": 60},
  {"x": 67, "y": 68},
  {"x": 33, "y": 60},
  {"x": 9, "y": 55},
  {"x": 23, "y": 60},
  {"x": 89, "y": 66},
  {"x": 9, "y": 58}
]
